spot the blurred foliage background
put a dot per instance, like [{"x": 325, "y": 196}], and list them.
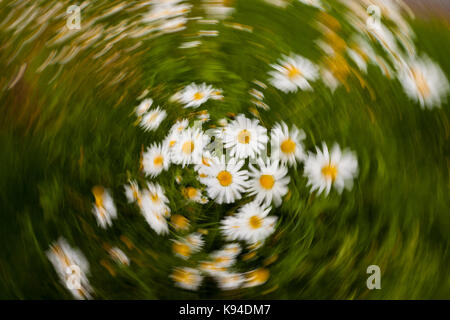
[{"x": 68, "y": 125}]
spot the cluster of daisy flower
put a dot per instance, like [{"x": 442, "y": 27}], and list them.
[
  {"x": 231, "y": 160},
  {"x": 231, "y": 163},
  {"x": 422, "y": 79}
]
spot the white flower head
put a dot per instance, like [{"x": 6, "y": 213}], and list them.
[
  {"x": 229, "y": 280},
  {"x": 173, "y": 25},
  {"x": 251, "y": 223},
  {"x": 143, "y": 107},
  {"x": 119, "y": 256},
  {"x": 155, "y": 220},
  {"x": 156, "y": 198},
  {"x": 225, "y": 180},
  {"x": 269, "y": 182},
  {"x": 232, "y": 249},
  {"x": 292, "y": 73},
  {"x": 222, "y": 258},
  {"x": 195, "y": 195},
  {"x": 151, "y": 120},
  {"x": 287, "y": 146},
  {"x": 189, "y": 245},
  {"x": 132, "y": 191},
  {"x": 70, "y": 264},
  {"x": 256, "y": 277},
  {"x": 104, "y": 209},
  {"x": 189, "y": 147},
  {"x": 424, "y": 81},
  {"x": 175, "y": 131},
  {"x": 325, "y": 169},
  {"x": 245, "y": 138},
  {"x": 187, "y": 278},
  {"x": 195, "y": 95},
  {"x": 156, "y": 159}
]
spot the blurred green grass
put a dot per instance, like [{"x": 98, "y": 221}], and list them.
[{"x": 60, "y": 139}]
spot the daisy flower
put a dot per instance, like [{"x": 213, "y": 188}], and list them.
[
  {"x": 151, "y": 120},
  {"x": 175, "y": 131},
  {"x": 119, "y": 256},
  {"x": 157, "y": 200},
  {"x": 424, "y": 82},
  {"x": 194, "y": 194},
  {"x": 229, "y": 281},
  {"x": 232, "y": 249},
  {"x": 225, "y": 180},
  {"x": 188, "y": 149},
  {"x": 256, "y": 277},
  {"x": 292, "y": 73},
  {"x": 104, "y": 209},
  {"x": 70, "y": 264},
  {"x": 210, "y": 268},
  {"x": 156, "y": 159},
  {"x": 269, "y": 182},
  {"x": 187, "y": 278},
  {"x": 223, "y": 258},
  {"x": 155, "y": 219},
  {"x": 189, "y": 245},
  {"x": 203, "y": 116},
  {"x": 143, "y": 107},
  {"x": 195, "y": 95},
  {"x": 132, "y": 191},
  {"x": 251, "y": 223},
  {"x": 245, "y": 137},
  {"x": 173, "y": 25},
  {"x": 324, "y": 169},
  {"x": 287, "y": 145},
  {"x": 181, "y": 249},
  {"x": 179, "y": 222},
  {"x": 202, "y": 167}
]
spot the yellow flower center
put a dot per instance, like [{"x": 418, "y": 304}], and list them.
[
  {"x": 288, "y": 146},
  {"x": 255, "y": 222},
  {"x": 179, "y": 221},
  {"x": 182, "y": 249},
  {"x": 152, "y": 117},
  {"x": 258, "y": 276},
  {"x": 158, "y": 161},
  {"x": 205, "y": 161},
  {"x": 98, "y": 194},
  {"x": 188, "y": 147},
  {"x": 172, "y": 143},
  {"x": 292, "y": 71},
  {"x": 421, "y": 82},
  {"x": 267, "y": 181},
  {"x": 183, "y": 276},
  {"x": 244, "y": 137},
  {"x": 330, "y": 172},
  {"x": 154, "y": 197},
  {"x": 191, "y": 192},
  {"x": 221, "y": 259},
  {"x": 225, "y": 178},
  {"x": 198, "y": 96}
]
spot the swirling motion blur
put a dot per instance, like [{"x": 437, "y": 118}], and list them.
[{"x": 269, "y": 146}]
